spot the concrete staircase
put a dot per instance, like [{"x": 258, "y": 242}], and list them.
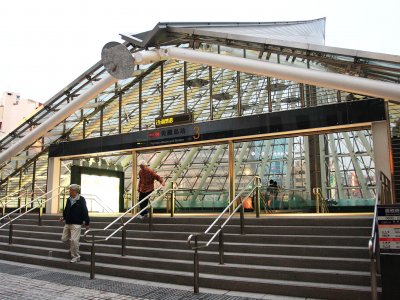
[{"x": 322, "y": 257}]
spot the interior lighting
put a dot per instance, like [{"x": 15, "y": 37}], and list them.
[
  {"x": 222, "y": 96},
  {"x": 197, "y": 82}
]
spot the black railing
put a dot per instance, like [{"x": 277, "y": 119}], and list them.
[
  {"x": 193, "y": 239},
  {"x": 123, "y": 225}
]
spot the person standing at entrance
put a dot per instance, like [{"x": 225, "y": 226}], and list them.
[
  {"x": 74, "y": 214},
  {"x": 146, "y": 185}
]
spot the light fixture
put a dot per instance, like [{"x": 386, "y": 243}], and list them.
[
  {"x": 196, "y": 82},
  {"x": 275, "y": 87},
  {"x": 291, "y": 100},
  {"x": 222, "y": 96}
]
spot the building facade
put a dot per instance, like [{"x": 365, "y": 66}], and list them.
[{"x": 87, "y": 123}]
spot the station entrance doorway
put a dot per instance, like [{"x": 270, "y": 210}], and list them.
[{"x": 332, "y": 158}]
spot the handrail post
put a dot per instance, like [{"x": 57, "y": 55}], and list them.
[
  {"x": 19, "y": 202},
  {"x": 257, "y": 196},
  {"x": 123, "y": 241},
  {"x": 221, "y": 246},
  {"x": 196, "y": 267},
  {"x": 241, "y": 217},
  {"x": 92, "y": 259},
  {"x": 26, "y": 200},
  {"x": 374, "y": 291},
  {"x": 378, "y": 253},
  {"x": 173, "y": 199},
  {"x": 40, "y": 212},
  {"x": 4, "y": 206},
  {"x": 150, "y": 216},
  {"x": 10, "y": 234},
  {"x": 64, "y": 194}
]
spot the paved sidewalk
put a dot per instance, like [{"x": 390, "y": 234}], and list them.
[{"x": 22, "y": 281}]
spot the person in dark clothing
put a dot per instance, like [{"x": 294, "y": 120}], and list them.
[
  {"x": 74, "y": 214},
  {"x": 270, "y": 193},
  {"x": 146, "y": 185}
]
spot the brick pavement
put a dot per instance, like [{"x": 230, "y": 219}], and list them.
[{"x": 19, "y": 281}]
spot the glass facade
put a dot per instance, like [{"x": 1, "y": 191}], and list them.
[{"x": 341, "y": 164}]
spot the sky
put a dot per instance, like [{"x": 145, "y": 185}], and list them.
[{"x": 46, "y": 44}]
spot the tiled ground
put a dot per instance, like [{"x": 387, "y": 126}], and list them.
[{"x": 20, "y": 281}]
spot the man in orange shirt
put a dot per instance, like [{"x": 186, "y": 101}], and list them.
[{"x": 146, "y": 185}]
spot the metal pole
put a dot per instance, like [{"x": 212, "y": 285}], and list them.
[
  {"x": 239, "y": 105},
  {"x": 92, "y": 259},
  {"x": 374, "y": 291},
  {"x": 140, "y": 104},
  {"x": 150, "y": 216},
  {"x": 173, "y": 199},
  {"x": 221, "y": 246},
  {"x": 162, "y": 90},
  {"x": 378, "y": 253},
  {"x": 10, "y": 234},
  {"x": 241, "y": 217},
  {"x": 40, "y": 213},
  {"x": 185, "y": 86},
  {"x": 302, "y": 95},
  {"x": 64, "y": 194},
  {"x": 231, "y": 172},
  {"x": 196, "y": 267},
  {"x": 119, "y": 111},
  {"x": 269, "y": 94},
  {"x": 123, "y": 241},
  {"x": 210, "y": 78},
  {"x": 26, "y": 200},
  {"x": 257, "y": 196},
  {"x": 134, "y": 182},
  {"x": 358, "y": 85}
]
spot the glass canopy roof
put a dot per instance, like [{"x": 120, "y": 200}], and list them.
[{"x": 214, "y": 93}]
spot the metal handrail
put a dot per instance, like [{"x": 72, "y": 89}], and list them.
[
  {"x": 98, "y": 200},
  {"x": 26, "y": 205},
  {"x": 195, "y": 246},
  {"x": 93, "y": 240},
  {"x": 19, "y": 193},
  {"x": 382, "y": 193},
  {"x": 4, "y": 204},
  {"x": 120, "y": 219},
  {"x": 40, "y": 206}
]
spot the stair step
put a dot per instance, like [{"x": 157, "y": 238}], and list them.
[
  {"x": 310, "y": 257},
  {"x": 245, "y": 284}
]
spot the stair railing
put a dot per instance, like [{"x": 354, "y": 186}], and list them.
[
  {"x": 193, "y": 239},
  {"x": 123, "y": 226},
  {"x": 383, "y": 196},
  {"x": 4, "y": 201},
  {"x": 97, "y": 200},
  {"x": 40, "y": 201}
]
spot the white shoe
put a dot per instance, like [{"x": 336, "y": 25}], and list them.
[
  {"x": 75, "y": 259},
  {"x": 140, "y": 217}
]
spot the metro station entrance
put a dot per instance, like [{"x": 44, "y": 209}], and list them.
[{"x": 309, "y": 167}]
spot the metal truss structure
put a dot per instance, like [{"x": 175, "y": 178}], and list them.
[{"x": 346, "y": 172}]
